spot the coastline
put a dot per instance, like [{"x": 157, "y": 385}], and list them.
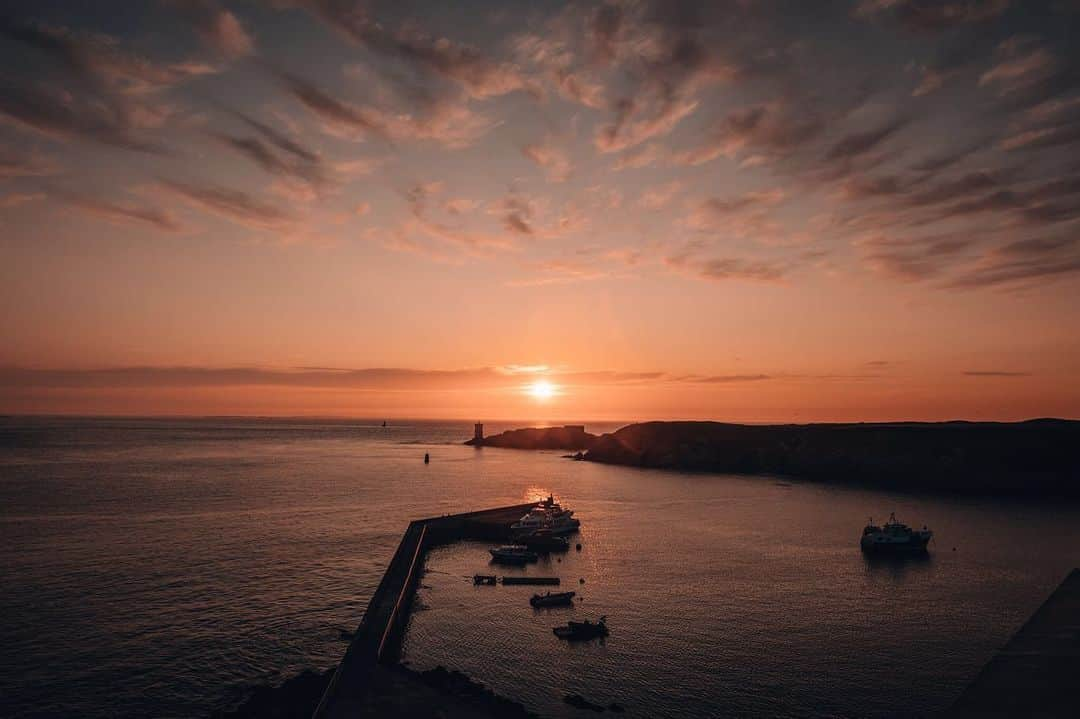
[{"x": 1033, "y": 458}]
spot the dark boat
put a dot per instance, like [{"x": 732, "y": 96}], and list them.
[
  {"x": 542, "y": 540},
  {"x": 484, "y": 579},
  {"x": 559, "y": 599},
  {"x": 581, "y": 631},
  {"x": 894, "y": 538},
  {"x": 513, "y": 554}
]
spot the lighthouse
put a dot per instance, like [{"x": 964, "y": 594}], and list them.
[{"x": 478, "y": 434}]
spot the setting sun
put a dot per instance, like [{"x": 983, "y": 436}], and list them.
[{"x": 541, "y": 389}]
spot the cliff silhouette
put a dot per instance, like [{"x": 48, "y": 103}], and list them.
[
  {"x": 567, "y": 437},
  {"x": 1039, "y": 457}
]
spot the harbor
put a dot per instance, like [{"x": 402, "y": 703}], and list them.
[{"x": 376, "y": 642}]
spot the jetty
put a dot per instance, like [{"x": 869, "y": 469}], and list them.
[
  {"x": 376, "y": 643},
  {"x": 1035, "y": 673}
]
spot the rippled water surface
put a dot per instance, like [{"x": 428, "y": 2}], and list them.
[{"x": 164, "y": 568}]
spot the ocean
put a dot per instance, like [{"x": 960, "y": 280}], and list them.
[{"x": 166, "y": 567}]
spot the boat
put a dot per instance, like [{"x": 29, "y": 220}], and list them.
[
  {"x": 559, "y": 599},
  {"x": 558, "y": 522},
  {"x": 580, "y": 631},
  {"x": 513, "y": 554},
  {"x": 894, "y": 538},
  {"x": 553, "y": 508},
  {"x": 542, "y": 540},
  {"x": 487, "y": 580}
]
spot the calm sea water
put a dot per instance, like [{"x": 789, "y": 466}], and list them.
[{"x": 164, "y": 568}]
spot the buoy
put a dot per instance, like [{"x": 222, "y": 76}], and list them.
[
  {"x": 581, "y": 581},
  {"x": 579, "y": 546},
  {"x": 427, "y": 458}
]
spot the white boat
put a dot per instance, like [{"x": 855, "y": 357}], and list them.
[{"x": 540, "y": 519}]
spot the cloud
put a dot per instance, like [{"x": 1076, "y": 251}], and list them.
[
  {"x": 995, "y": 373},
  {"x": 17, "y": 163},
  {"x": 334, "y": 112},
  {"x": 1020, "y": 61},
  {"x": 233, "y": 205},
  {"x": 117, "y": 212},
  {"x": 399, "y": 379},
  {"x": 728, "y": 268},
  {"x": 728, "y": 378},
  {"x": 934, "y": 15},
  {"x": 551, "y": 157},
  {"x": 106, "y": 93},
  {"x": 447, "y": 122},
  {"x": 913, "y": 259},
  {"x": 99, "y": 63},
  {"x": 633, "y": 126},
  {"x": 658, "y": 197},
  {"x": 219, "y": 28},
  {"x": 15, "y": 199},
  {"x": 57, "y": 116},
  {"x": 772, "y": 129},
  {"x": 480, "y": 76},
  {"x": 859, "y": 143}
]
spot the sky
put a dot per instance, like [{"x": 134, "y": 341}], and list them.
[{"x": 752, "y": 210}]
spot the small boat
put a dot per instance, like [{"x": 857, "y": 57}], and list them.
[
  {"x": 542, "y": 540},
  {"x": 580, "y": 631},
  {"x": 894, "y": 538},
  {"x": 513, "y": 554},
  {"x": 559, "y": 599},
  {"x": 427, "y": 458},
  {"x": 487, "y": 580}
]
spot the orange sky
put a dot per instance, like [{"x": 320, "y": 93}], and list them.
[{"x": 754, "y": 212}]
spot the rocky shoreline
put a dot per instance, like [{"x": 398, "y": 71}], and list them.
[{"x": 400, "y": 691}]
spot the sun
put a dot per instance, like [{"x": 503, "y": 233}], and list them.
[{"x": 541, "y": 389}]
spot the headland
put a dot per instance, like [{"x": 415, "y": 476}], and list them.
[{"x": 1034, "y": 458}]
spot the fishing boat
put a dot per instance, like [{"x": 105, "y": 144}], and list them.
[
  {"x": 580, "y": 631},
  {"x": 547, "y": 599},
  {"x": 513, "y": 554},
  {"x": 487, "y": 580},
  {"x": 894, "y": 538}
]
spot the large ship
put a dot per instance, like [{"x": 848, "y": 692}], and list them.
[
  {"x": 548, "y": 516},
  {"x": 894, "y": 538}
]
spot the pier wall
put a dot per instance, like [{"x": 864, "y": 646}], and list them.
[{"x": 378, "y": 638}]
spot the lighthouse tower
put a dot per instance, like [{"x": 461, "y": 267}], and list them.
[{"x": 478, "y": 434}]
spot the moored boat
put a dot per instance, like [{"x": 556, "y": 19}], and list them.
[
  {"x": 894, "y": 537},
  {"x": 539, "y": 519},
  {"x": 559, "y": 599},
  {"x": 577, "y": 631},
  {"x": 484, "y": 580},
  {"x": 542, "y": 540},
  {"x": 513, "y": 554}
]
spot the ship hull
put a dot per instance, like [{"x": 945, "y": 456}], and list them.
[{"x": 913, "y": 545}]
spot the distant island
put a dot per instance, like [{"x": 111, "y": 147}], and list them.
[
  {"x": 1039, "y": 457},
  {"x": 571, "y": 436}
]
